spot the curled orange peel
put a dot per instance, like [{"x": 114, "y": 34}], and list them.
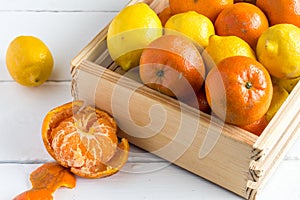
[{"x": 45, "y": 180}]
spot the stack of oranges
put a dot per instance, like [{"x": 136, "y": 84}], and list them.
[{"x": 239, "y": 57}]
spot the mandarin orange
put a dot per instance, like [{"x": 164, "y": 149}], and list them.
[
  {"x": 200, "y": 101},
  {"x": 164, "y": 15},
  {"x": 239, "y": 90},
  {"x": 84, "y": 140},
  {"x": 172, "y": 65},
  {"x": 210, "y": 8},
  {"x": 281, "y": 11},
  {"x": 247, "y": 1},
  {"x": 243, "y": 20},
  {"x": 256, "y": 127}
]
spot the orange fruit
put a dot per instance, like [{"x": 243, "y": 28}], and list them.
[
  {"x": 239, "y": 90},
  {"x": 248, "y": 1},
  {"x": 210, "y": 8},
  {"x": 256, "y": 127},
  {"x": 164, "y": 15},
  {"x": 200, "y": 101},
  {"x": 172, "y": 65},
  {"x": 84, "y": 139},
  {"x": 244, "y": 20},
  {"x": 281, "y": 11}
]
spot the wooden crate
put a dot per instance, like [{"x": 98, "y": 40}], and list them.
[{"x": 224, "y": 154}]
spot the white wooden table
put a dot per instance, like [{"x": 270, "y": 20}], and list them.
[{"x": 66, "y": 27}]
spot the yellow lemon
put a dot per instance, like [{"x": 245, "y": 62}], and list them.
[
  {"x": 221, "y": 47},
  {"x": 192, "y": 24},
  {"x": 278, "y": 49},
  {"x": 29, "y": 61},
  {"x": 130, "y": 31},
  {"x": 287, "y": 84},
  {"x": 279, "y": 96}
]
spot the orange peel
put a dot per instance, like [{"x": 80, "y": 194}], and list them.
[{"x": 45, "y": 180}]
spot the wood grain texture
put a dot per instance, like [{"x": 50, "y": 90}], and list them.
[{"x": 261, "y": 157}]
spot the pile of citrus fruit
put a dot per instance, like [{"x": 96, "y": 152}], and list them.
[{"x": 238, "y": 60}]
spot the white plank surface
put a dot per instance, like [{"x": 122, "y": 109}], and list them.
[
  {"x": 23, "y": 112},
  {"x": 66, "y": 26},
  {"x": 63, "y": 5},
  {"x": 166, "y": 183}
]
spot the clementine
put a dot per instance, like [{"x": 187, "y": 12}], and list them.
[
  {"x": 172, "y": 65},
  {"x": 239, "y": 90},
  {"x": 164, "y": 15},
  {"x": 281, "y": 11},
  {"x": 244, "y": 20},
  {"x": 210, "y": 8},
  {"x": 84, "y": 140},
  {"x": 256, "y": 127},
  {"x": 200, "y": 101},
  {"x": 248, "y": 1}
]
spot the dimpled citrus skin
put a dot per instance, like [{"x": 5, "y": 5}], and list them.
[
  {"x": 172, "y": 65},
  {"x": 239, "y": 90},
  {"x": 29, "y": 61},
  {"x": 130, "y": 31},
  {"x": 196, "y": 26},
  {"x": 278, "y": 49},
  {"x": 279, "y": 96},
  {"x": 244, "y": 20},
  {"x": 209, "y": 8},
  {"x": 281, "y": 11},
  {"x": 287, "y": 84}
]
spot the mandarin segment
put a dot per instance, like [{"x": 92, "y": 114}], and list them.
[
  {"x": 84, "y": 141},
  {"x": 54, "y": 117},
  {"x": 114, "y": 164}
]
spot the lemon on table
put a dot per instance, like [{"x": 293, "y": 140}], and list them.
[
  {"x": 29, "y": 61},
  {"x": 221, "y": 47},
  {"x": 194, "y": 25},
  {"x": 130, "y": 31},
  {"x": 279, "y": 96},
  {"x": 278, "y": 49}
]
